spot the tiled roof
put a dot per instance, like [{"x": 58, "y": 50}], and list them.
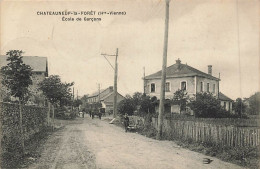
[
  {"x": 38, "y": 64},
  {"x": 184, "y": 70},
  {"x": 223, "y": 97}
]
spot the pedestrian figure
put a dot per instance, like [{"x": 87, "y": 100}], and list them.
[
  {"x": 83, "y": 114},
  {"x": 126, "y": 122}
]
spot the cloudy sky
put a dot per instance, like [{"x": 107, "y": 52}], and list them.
[{"x": 201, "y": 33}]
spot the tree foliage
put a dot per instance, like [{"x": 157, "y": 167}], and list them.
[
  {"x": 181, "y": 98},
  {"x": 16, "y": 76},
  {"x": 206, "y": 105},
  {"x": 254, "y": 104},
  {"x": 139, "y": 102},
  {"x": 239, "y": 107},
  {"x": 56, "y": 91},
  {"x": 126, "y": 106}
]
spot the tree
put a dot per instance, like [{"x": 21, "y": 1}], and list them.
[
  {"x": 137, "y": 97},
  {"x": 147, "y": 105},
  {"x": 206, "y": 105},
  {"x": 126, "y": 106},
  {"x": 16, "y": 76},
  {"x": 239, "y": 107},
  {"x": 181, "y": 98},
  {"x": 56, "y": 91},
  {"x": 254, "y": 104},
  {"x": 77, "y": 103}
]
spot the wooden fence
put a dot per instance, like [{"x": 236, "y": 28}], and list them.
[{"x": 210, "y": 133}]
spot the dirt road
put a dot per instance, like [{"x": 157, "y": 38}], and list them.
[{"x": 97, "y": 144}]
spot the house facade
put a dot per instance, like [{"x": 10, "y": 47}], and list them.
[
  {"x": 181, "y": 76},
  {"x": 39, "y": 67},
  {"x": 225, "y": 102},
  {"x": 105, "y": 97}
]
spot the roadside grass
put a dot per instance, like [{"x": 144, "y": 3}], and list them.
[
  {"x": 33, "y": 150},
  {"x": 244, "y": 156}
]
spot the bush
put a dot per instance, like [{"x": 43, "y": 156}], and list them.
[
  {"x": 206, "y": 105},
  {"x": 126, "y": 106}
]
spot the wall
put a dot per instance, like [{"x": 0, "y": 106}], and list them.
[
  {"x": 175, "y": 84},
  {"x": 34, "y": 120},
  {"x": 205, "y": 81}
]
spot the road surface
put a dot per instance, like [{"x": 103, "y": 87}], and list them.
[{"x": 94, "y": 143}]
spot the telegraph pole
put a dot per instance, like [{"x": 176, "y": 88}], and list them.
[
  {"x": 99, "y": 92},
  {"x": 163, "y": 80},
  {"x": 144, "y": 80},
  {"x": 115, "y": 81},
  {"x": 115, "y": 86}
]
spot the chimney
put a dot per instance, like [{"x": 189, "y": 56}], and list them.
[
  {"x": 178, "y": 63},
  {"x": 110, "y": 88},
  {"x": 210, "y": 69}
]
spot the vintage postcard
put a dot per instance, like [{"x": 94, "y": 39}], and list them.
[{"x": 129, "y": 84}]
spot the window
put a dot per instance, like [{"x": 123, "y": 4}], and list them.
[
  {"x": 214, "y": 88},
  {"x": 183, "y": 86},
  {"x": 225, "y": 105},
  {"x": 167, "y": 86},
  {"x": 201, "y": 86},
  {"x": 152, "y": 88},
  {"x": 207, "y": 87}
]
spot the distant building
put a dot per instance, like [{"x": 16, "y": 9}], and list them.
[
  {"x": 181, "y": 76},
  {"x": 105, "y": 97},
  {"x": 39, "y": 67},
  {"x": 225, "y": 102}
]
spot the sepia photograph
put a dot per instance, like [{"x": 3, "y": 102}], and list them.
[{"x": 129, "y": 84}]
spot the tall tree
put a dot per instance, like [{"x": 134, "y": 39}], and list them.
[
  {"x": 16, "y": 76},
  {"x": 239, "y": 107},
  {"x": 254, "y": 104},
  {"x": 56, "y": 91}
]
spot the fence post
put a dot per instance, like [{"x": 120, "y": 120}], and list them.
[{"x": 21, "y": 125}]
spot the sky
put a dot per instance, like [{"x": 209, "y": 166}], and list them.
[{"x": 201, "y": 33}]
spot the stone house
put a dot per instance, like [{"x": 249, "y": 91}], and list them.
[
  {"x": 181, "y": 76},
  {"x": 39, "y": 67},
  {"x": 105, "y": 97}
]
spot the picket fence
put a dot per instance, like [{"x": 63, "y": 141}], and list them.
[{"x": 210, "y": 133}]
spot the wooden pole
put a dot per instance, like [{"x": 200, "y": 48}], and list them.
[
  {"x": 53, "y": 116},
  {"x": 21, "y": 125},
  {"x": 49, "y": 111},
  {"x": 115, "y": 87},
  {"x": 163, "y": 80}
]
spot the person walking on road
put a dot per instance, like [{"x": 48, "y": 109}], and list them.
[{"x": 126, "y": 122}]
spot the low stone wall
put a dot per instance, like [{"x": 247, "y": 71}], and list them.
[{"x": 34, "y": 120}]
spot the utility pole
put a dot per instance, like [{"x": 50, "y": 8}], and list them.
[
  {"x": 115, "y": 81},
  {"x": 115, "y": 86},
  {"x": 163, "y": 80},
  {"x": 99, "y": 92},
  {"x": 72, "y": 98},
  {"x": 144, "y": 80}
]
